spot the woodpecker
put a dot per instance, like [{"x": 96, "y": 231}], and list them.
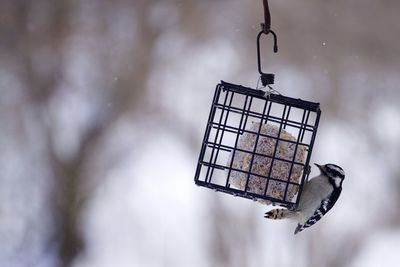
[{"x": 318, "y": 197}]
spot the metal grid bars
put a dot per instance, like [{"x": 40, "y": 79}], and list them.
[{"x": 257, "y": 145}]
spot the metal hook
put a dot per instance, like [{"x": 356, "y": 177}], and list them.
[{"x": 266, "y": 78}]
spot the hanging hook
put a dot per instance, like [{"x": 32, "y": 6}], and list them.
[
  {"x": 266, "y": 78},
  {"x": 266, "y": 26}
]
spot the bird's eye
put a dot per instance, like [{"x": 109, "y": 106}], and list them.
[{"x": 335, "y": 173}]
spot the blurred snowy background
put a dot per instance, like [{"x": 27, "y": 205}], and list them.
[{"x": 103, "y": 105}]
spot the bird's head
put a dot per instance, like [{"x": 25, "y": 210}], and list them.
[{"x": 334, "y": 173}]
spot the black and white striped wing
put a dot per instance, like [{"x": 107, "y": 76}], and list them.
[{"x": 326, "y": 205}]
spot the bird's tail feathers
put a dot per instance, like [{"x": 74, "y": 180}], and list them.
[{"x": 299, "y": 228}]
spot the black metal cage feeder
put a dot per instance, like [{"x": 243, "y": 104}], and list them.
[
  {"x": 258, "y": 144},
  {"x": 247, "y": 132}
]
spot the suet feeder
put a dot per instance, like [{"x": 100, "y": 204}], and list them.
[{"x": 257, "y": 143}]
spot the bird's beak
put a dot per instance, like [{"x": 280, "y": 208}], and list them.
[{"x": 319, "y": 166}]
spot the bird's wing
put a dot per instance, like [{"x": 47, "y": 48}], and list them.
[{"x": 325, "y": 206}]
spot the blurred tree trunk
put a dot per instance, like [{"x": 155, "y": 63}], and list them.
[
  {"x": 70, "y": 196},
  {"x": 43, "y": 26}
]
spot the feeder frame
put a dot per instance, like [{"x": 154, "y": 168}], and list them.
[{"x": 208, "y": 163}]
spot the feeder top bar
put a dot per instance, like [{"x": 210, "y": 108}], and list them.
[{"x": 294, "y": 102}]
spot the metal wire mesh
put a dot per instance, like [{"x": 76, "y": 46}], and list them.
[{"x": 239, "y": 115}]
